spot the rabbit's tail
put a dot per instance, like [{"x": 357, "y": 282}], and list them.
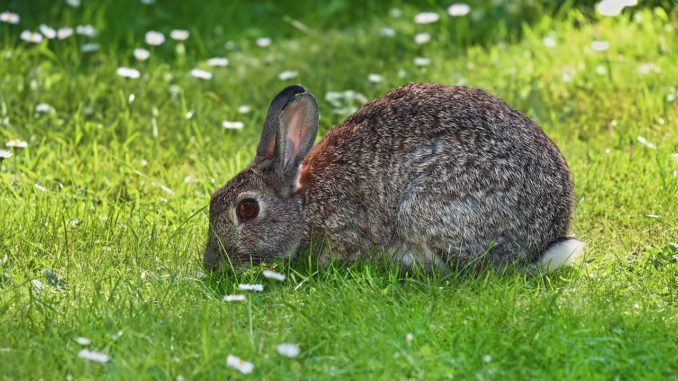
[{"x": 562, "y": 252}]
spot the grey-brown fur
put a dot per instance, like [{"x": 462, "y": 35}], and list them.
[{"x": 450, "y": 170}]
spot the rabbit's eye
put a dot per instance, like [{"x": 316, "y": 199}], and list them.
[{"x": 247, "y": 209}]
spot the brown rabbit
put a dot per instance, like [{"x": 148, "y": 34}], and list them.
[{"x": 430, "y": 173}]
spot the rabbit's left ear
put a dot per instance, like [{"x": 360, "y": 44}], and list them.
[
  {"x": 268, "y": 135},
  {"x": 297, "y": 129}
]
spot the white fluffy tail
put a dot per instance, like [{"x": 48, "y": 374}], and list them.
[{"x": 561, "y": 253}]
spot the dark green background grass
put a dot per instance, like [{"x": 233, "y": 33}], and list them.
[{"x": 119, "y": 256}]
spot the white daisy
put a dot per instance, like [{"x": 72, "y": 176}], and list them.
[
  {"x": 239, "y": 364},
  {"x": 674, "y": 156},
  {"x": 47, "y": 31},
  {"x": 422, "y": 38},
  {"x": 487, "y": 358},
  {"x": 388, "y": 32},
  {"x": 44, "y": 108},
  {"x": 244, "y": 109},
  {"x": 37, "y": 285},
  {"x": 234, "y": 298},
  {"x": 600, "y": 69},
  {"x": 148, "y": 2},
  {"x": 217, "y": 61},
  {"x": 64, "y": 32},
  {"x": 395, "y": 12},
  {"x": 16, "y": 143},
  {"x": 375, "y": 78},
  {"x": 90, "y": 47},
  {"x": 288, "y": 350},
  {"x": 30, "y": 36},
  {"x": 154, "y": 38},
  {"x": 422, "y": 61},
  {"x": 251, "y": 287},
  {"x": 141, "y": 54},
  {"x": 273, "y": 275},
  {"x": 409, "y": 337},
  {"x": 549, "y": 42},
  {"x": 131, "y": 98},
  {"x": 187, "y": 180},
  {"x": 600, "y": 46},
  {"x": 85, "y": 30},
  {"x": 426, "y": 18},
  {"x": 644, "y": 142},
  {"x": 9, "y": 17},
  {"x": 201, "y": 74},
  {"x": 232, "y": 125},
  {"x": 263, "y": 42},
  {"x": 458, "y": 10},
  {"x": 127, "y": 72},
  {"x": 180, "y": 34},
  {"x": 287, "y": 75},
  {"x": 614, "y": 7},
  {"x": 73, "y": 3},
  {"x": 4, "y": 154},
  {"x": 99, "y": 357},
  {"x": 648, "y": 68},
  {"x": 83, "y": 340}
]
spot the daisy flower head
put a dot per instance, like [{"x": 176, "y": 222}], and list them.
[
  {"x": 235, "y": 362},
  {"x": 287, "y": 75},
  {"x": 217, "y": 61},
  {"x": 251, "y": 287},
  {"x": 600, "y": 46},
  {"x": 288, "y": 350},
  {"x": 269, "y": 274},
  {"x": 459, "y": 10},
  {"x": 375, "y": 78},
  {"x": 90, "y": 47},
  {"x": 30, "y": 36},
  {"x": 154, "y": 38},
  {"x": 422, "y": 38},
  {"x": 201, "y": 74},
  {"x": 422, "y": 61},
  {"x": 64, "y": 32},
  {"x": 426, "y": 18},
  {"x": 86, "y": 30},
  {"x": 179, "y": 34},
  {"x": 16, "y": 143},
  {"x": 83, "y": 340},
  {"x": 47, "y": 31},
  {"x": 611, "y": 8},
  {"x": 127, "y": 72},
  {"x": 93, "y": 356},
  {"x": 141, "y": 54},
  {"x": 236, "y": 125},
  {"x": 263, "y": 42},
  {"x": 9, "y": 17},
  {"x": 234, "y": 298}
]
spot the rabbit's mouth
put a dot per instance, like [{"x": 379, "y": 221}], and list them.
[{"x": 218, "y": 260}]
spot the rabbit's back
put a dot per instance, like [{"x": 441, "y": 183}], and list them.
[{"x": 452, "y": 168}]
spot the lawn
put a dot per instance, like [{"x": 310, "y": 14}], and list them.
[{"x": 104, "y": 211}]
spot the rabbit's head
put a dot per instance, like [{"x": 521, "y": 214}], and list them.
[{"x": 258, "y": 215}]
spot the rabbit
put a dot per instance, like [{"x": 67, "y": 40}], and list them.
[{"x": 431, "y": 173}]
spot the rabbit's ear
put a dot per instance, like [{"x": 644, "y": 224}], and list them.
[
  {"x": 268, "y": 136},
  {"x": 297, "y": 129}
]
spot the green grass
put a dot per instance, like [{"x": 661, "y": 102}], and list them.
[{"x": 119, "y": 256}]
